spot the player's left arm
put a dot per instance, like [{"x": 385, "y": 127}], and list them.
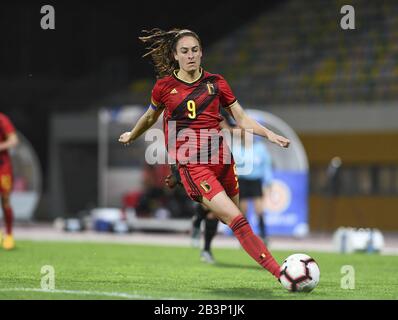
[
  {"x": 244, "y": 121},
  {"x": 10, "y": 142}
]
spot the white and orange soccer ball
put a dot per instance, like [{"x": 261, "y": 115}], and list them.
[{"x": 299, "y": 273}]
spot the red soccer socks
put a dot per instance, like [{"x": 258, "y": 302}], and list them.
[{"x": 253, "y": 245}]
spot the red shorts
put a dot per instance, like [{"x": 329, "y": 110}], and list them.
[
  {"x": 5, "y": 179},
  {"x": 207, "y": 180}
]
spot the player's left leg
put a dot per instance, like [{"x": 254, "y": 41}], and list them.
[
  {"x": 199, "y": 216},
  {"x": 201, "y": 184},
  {"x": 250, "y": 242},
  {"x": 243, "y": 205},
  {"x": 211, "y": 224}
]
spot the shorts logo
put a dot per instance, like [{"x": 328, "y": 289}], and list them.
[{"x": 205, "y": 186}]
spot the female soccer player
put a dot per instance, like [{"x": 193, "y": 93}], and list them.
[
  {"x": 8, "y": 139},
  {"x": 191, "y": 98}
]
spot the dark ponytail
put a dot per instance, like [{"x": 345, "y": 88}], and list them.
[{"x": 161, "y": 48}]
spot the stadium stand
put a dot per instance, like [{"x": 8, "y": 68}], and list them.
[
  {"x": 355, "y": 65},
  {"x": 292, "y": 55}
]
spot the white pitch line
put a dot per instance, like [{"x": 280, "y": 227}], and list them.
[{"x": 87, "y": 293}]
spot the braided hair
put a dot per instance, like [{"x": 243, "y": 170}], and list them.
[{"x": 161, "y": 47}]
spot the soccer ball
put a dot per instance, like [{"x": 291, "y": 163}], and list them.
[{"x": 299, "y": 272}]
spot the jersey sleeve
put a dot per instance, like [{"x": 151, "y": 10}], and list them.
[
  {"x": 227, "y": 98},
  {"x": 6, "y": 124},
  {"x": 157, "y": 97}
]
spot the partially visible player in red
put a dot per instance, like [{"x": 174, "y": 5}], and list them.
[
  {"x": 191, "y": 98},
  {"x": 8, "y": 139}
]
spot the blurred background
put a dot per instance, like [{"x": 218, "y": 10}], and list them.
[{"x": 71, "y": 91}]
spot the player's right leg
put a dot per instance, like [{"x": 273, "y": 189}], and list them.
[{"x": 226, "y": 210}]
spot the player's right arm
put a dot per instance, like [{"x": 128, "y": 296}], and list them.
[{"x": 148, "y": 119}]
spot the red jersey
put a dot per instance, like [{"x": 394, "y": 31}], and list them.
[
  {"x": 193, "y": 106},
  {"x": 6, "y": 128}
]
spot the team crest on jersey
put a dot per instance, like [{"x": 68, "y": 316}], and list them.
[
  {"x": 174, "y": 91},
  {"x": 205, "y": 186},
  {"x": 210, "y": 88}
]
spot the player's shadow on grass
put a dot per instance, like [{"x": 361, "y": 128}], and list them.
[
  {"x": 236, "y": 266},
  {"x": 260, "y": 293}
]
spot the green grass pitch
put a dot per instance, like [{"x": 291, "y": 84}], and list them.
[{"x": 126, "y": 271}]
